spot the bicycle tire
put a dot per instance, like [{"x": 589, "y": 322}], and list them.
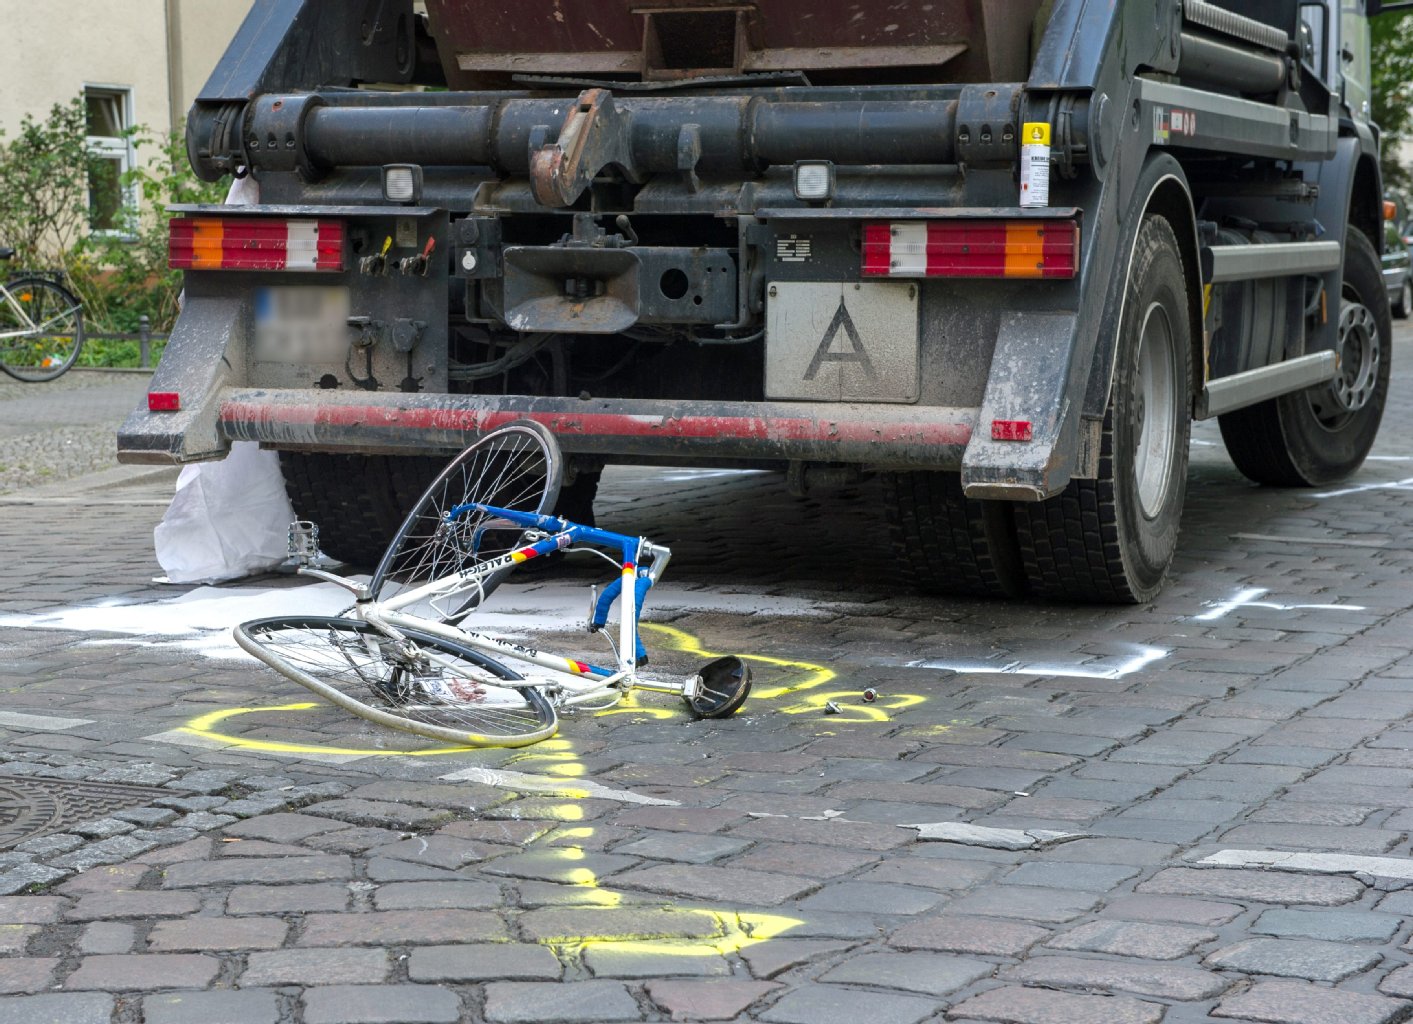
[
  {"x": 517, "y": 466},
  {"x": 352, "y": 665},
  {"x": 47, "y": 354}
]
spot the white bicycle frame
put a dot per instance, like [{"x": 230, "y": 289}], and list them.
[
  {"x": 20, "y": 311},
  {"x": 571, "y": 682}
]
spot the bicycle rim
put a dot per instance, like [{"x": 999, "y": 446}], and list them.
[
  {"x": 438, "y": 690},
  {"x": 53, "y": 321},
  {"x": 517, "y": 466}
]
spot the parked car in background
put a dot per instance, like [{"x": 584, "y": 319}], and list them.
[{"x": 1398, "y": 269}]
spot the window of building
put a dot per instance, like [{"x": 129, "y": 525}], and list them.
[{"x": 109, "y": 117}]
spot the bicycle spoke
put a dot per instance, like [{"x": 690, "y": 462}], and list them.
[
  {"x": 514, "y": 467},
  {"x": 416, "y": 683}
]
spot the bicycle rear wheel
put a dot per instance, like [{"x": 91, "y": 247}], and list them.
[
  {"x": 518, "y": 467},
  {"x": 432, "y": 688},
  {"x": 41, "y": 329}
]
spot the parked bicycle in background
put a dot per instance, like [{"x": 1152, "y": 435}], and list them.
[{"x": 41, "y": 325}]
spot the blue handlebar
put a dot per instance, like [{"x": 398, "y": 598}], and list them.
[
  {"x": 565, "y": 533},
  {"x": 553, "y": 524}
]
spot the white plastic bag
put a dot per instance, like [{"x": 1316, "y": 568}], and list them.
[{"x": 228, "y": 519}]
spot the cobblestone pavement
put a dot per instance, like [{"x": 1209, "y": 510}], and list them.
[
  {"x": 63, "y": 428},
  {"x": 1198, "y": 810}
]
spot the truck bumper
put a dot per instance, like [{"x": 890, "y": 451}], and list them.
[{"x": 877, "y": 435}]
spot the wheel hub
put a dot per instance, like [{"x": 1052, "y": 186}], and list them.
[
  {"x": 1154, "y": 404},
  {"x": 1360, "y": 353}
]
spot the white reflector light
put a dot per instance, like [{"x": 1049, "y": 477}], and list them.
[
  {"x": 814, "y": 182},
  {"x": 400, "y": 183}
]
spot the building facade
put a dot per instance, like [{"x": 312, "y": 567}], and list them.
[{"x": 138, "y": 63}]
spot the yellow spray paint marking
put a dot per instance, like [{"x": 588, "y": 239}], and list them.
[
  {"x": 737, "y": 931},
  {"x": 205, "y": 726},
  {"x": 734, "y": 931},
  {"x": 655, "y": 713},
  {"x": 686, "y": 643},
  {"x": 875, "y": 712},
  {"x": 814, "y": 676}
]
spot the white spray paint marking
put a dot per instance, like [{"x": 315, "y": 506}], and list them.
[
  {"x": 1316, "y": 863},
  {"x": 200, "y": 621},
  {"x": 1247, "y": 599},
  {"x": 1388, "y": 458},
  {"x": 40, "y": 723},
  {"x": 525, "y": 782},
  {"x": 1103, "y": 668},
  {"x": 680, "y": 476},
  {"x": 995, "y": 838},
  {"x": 1405, "y": 484},
  {"x": 1345, "y": 542}
]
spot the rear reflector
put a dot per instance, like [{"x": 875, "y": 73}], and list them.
[
  {"x": 971, "y": 248},
  {"x": 163, "y": 401},
  {"x": 1010, "y": 430},
  {"x": 254, "y": 243}
]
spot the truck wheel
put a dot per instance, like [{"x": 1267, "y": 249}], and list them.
[
  {"x": 946, "y": 543},
  {"x": 1317, "y": 436},
  {"x": 576, "y": 499},
  {"x": 1112, "y": 538},
  {"x": 358, "y": 501}
]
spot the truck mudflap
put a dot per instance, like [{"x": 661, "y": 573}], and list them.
[{"x": 768, "y": 432}]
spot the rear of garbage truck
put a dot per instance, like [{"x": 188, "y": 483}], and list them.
[{"x": 888, "y": 238}]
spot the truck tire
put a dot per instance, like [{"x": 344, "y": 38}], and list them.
[
  {"x": 358, "y": 501},
  {"x": 1317, "y": 436},
  {"x": 1111, "y": 539},
  {"x": 946, "y": 543},
  {"x": 1403, "y": 305},
  {"x": 576, "y": 498}
]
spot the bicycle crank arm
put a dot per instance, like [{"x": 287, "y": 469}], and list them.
[{"x": 352, "y": 585}]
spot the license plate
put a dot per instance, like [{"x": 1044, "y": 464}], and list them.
[
  {"x": 842, "y": 342},
  {"x": 302, "y": 325}
]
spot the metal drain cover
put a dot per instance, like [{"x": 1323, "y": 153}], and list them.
[{"x": 32, "y": 807}]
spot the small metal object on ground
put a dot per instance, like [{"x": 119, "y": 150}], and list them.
[
  {"x": 870, "y": 695},
  {"x": 831, "y": 708}
]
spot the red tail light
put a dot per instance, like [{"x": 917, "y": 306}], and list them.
[
  {"x": 971, "y": 248},
  {"x": 255, "y": 243},
  {"x": 163, "y": 401}
]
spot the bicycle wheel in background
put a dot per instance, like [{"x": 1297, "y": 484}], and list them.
[
  {"x": 436, "y": 689},
  {"x": 517, "y": 466},
  {"x": 41, "y": 329}
]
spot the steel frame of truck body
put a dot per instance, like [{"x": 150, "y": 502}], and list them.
[{"x": 1003, "y": 380}]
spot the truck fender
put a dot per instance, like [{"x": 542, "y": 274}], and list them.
[{"x": 1161, "y": 188}]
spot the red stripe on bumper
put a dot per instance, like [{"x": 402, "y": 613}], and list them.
[{"x": 776, "y": 428}]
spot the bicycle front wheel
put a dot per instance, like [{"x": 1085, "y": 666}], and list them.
[
  {"x": 517, "y": 466},
  {"x": 41, "y": 329},
  {"x": 430, "y": 687}
]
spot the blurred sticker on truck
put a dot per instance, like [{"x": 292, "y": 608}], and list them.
[{"x": 301, "y": 325}]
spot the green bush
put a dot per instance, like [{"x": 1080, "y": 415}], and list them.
[
  {"x": 119, "y": 275},
  {"x": 117, "y": 353}
]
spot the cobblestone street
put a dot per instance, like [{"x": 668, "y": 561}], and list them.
[{"x": 1195, "y": 810}]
